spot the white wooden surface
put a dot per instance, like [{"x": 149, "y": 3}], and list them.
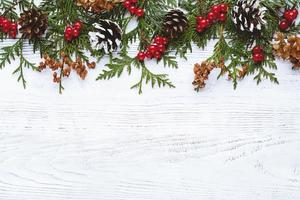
[{"x": 102, "y": 141}]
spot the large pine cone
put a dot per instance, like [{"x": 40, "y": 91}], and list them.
[
  {"x": 33, "y": 23},
  {"x": 107, "y": 36},
  {"x": 98, "y": 6},
  {"x": 175, "y": 23},
  {"x": 248, "y": 15}
]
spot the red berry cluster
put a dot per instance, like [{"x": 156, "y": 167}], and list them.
[
  {"x": 289, "y": 17},
  {"x": 154, "y": 50},
  {"x": 130, "y": 5},
  {"x": 258, "y": 54},
  {"x": 218, "y": 13},
  {"x": 8, "y": 27},
  {"x": 73, "y": 32}
]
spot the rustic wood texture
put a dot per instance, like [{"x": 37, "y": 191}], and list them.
[
  {"x": 103, "y": 141},
  {"x": 100, "y": 140}
]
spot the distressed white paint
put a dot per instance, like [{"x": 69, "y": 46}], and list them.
[{"x": 102, "y": 141}]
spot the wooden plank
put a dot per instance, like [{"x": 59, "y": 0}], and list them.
[{"x": 101, "y": 140}]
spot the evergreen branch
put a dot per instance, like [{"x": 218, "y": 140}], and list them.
[
  {"x": 155, "y": 79},
  {"x": 117, "y": 66},
  {"x": 10, "y": 53}
]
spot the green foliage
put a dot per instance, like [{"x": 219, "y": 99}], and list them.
[
  {"x": 10, "y": 53},
  {"x": 117, "y": 66},
  {"x": 233, "y": 47},
  {"x": 146, "y": 28}
]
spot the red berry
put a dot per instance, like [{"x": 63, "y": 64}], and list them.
[
  {"x": 204, "y": 23},
  {"x": 6, "y": 22},
  {"x": 257, "y": 50},
  {"x": 157, "y": 55},
  {"x": 14, "y": 26},
  {"x": 284, "y": 25},
  {"x": 132, "y": 9},
  {"x": 165, "y": 40},
  {"x": 75, "y": 33},
  {"x": 1, "y": 20},
  {"x": 258, "y": 58},
  {"x": 216, "y": 9},
  {"x": 212, "y": 16},
  {"x": 158, "y": 40},
  {"x": 126, "y": 4},
  {"x": 139, "y": 12},
  {"x": 161, "y": 48},
  {"x": 148, "y": 55},
  {"x": 222, "y": 17},
  {"x": 133, "y": 1},
  {"x": 152, "y": 49},
  {"x": 68, "y": 37},
  {"x": 69, "y": 30},
  {"x": 224, "y": 7},
  {"x": 141, "y": 56},
  {"x": 296, "y": 12},
  {"x": 199, "y": 18},
  {"x": 6, "y": 25},
  {"x": 78, "y": 25},
  {"x": 290, "y": 15},
  {"x": 199, "y": 29},
  {"x": 13, "y": 34}
]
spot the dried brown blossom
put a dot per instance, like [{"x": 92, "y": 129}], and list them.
[
  {"x": 202, "y": 72},
  {"x": 98, "y": 6},
  {"x": 64, "y": 66},
  {"x": 287, "y": 48}
]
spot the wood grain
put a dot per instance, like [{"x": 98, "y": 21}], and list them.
[
  {"x": 100, "y": 140},
  {"x": 103, "y": 141}
]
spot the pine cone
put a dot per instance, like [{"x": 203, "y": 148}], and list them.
[
  {"x": 33, "y": 23},
  {"x": 287, "y": 48},
  {"x": 98, "y": 6},
  {"x": 248, "y": 15},
  {"x": 107, "y": 36},
  {"x": 175, "y": 23},
  {"x": 202, "y": 72}
]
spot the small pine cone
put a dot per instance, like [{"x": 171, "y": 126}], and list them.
[
  {"x": 175, "y": 23},
  {"x": 83, "y": 74},
  {"x": 287, "y": 48},
  {"x": 33, "y": 23},
  {"x": 91, "y": 65},
  {"x": 248, "y": 15},
  {"x": 107, "y": 36},
  {"x": 202, "y": 72},
  {"x": 98, "y": 6}
]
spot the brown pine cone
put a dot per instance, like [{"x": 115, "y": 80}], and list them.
[
  {"x": 33, "y": 23},
  {"x": 202, "y": 72},
  {"x": 287, "y": 48},
  {"x": 175, "y": 23},
  {"x": 98, "y": 6}
]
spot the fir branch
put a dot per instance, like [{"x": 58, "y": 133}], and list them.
[
  {"x": 117, "y": 66},
  {"x": 148, "y": 77},
  {"x": 11, "y": 53}
]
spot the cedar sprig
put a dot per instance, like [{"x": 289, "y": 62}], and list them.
[
  {"x": 234, "y": 47},
  {"x": 13, "y": 52},
  {"x": 60, "y": 14},
  {"x": 147, "y": 27},
  {"x": 118, "y": 65}
]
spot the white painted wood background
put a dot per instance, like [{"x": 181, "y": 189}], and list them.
[{"x": 103, "y": 141}]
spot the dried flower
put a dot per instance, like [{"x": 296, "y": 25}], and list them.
[
  {"x": 202, "y": 72},
  {"x": 287, "y": 48},
  {"x": 65, "y": 66}
]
